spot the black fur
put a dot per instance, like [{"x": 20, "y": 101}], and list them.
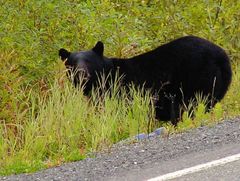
[{"x": 176, "y": 71}]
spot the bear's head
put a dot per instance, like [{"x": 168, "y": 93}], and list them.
[{"x": 84, "y": 67}]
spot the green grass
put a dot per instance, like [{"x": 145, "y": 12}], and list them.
[
  {"x": 44, "y": 121},
  {"x": 66, "y": 125}
]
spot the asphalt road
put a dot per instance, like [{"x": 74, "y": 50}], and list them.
[
  {"x": 228, "y": 172},
  {"x": 222, "y": 172},
  {"x": 157, "y": 156}
]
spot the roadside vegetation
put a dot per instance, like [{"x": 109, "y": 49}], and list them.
[{"x": 44, "y": 121}]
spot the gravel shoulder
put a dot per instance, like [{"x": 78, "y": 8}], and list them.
[{"x": 124, "y": 157}]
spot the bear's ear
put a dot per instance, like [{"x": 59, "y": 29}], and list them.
[
  {"x": 99, "y": 48},
  {"x": 63, "y": 53}
]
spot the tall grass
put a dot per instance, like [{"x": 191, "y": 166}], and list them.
[{"x": 65, "y": 126}]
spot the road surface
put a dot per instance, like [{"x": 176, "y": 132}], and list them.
[{"x": 157, "y": 157}]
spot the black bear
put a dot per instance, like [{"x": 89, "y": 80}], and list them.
[{"x": 175, "y": 71}]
